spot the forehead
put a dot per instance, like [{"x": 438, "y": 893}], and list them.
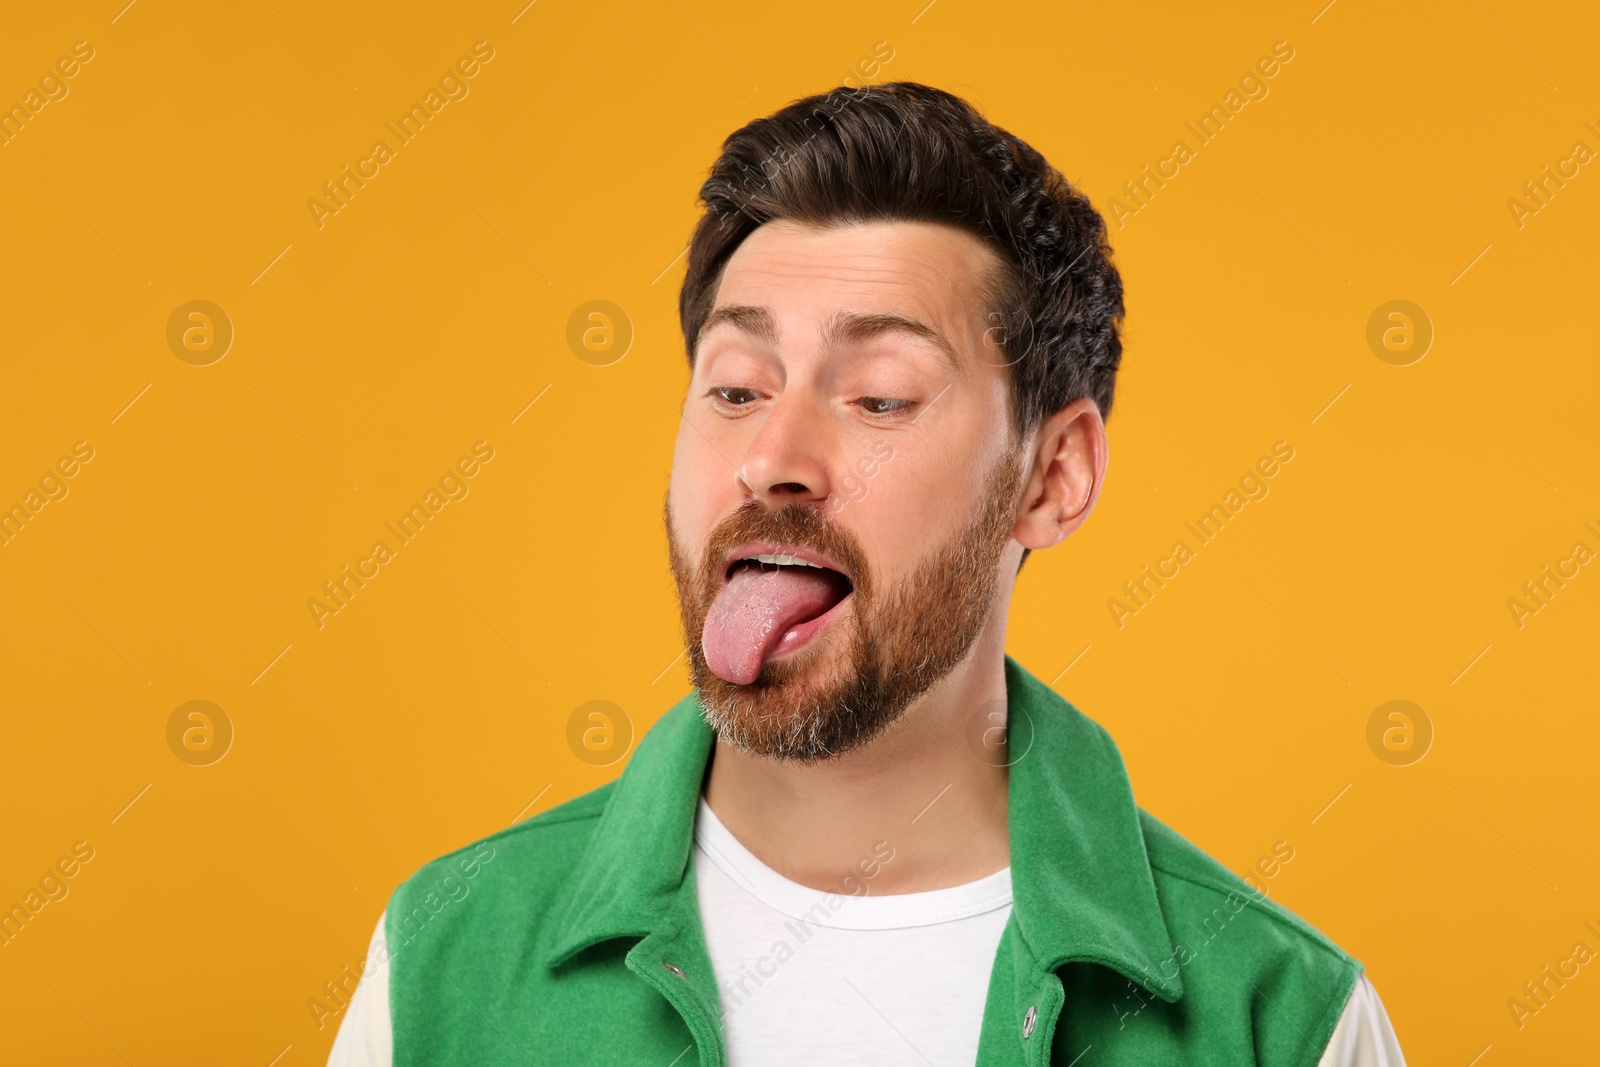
[{"x": 924, "y": 269}]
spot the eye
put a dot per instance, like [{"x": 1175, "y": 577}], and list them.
[
  {"x": 878, "y": 405},
  {"x": 734, "y": 396}
]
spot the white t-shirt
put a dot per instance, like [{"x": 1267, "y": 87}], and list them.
[{"x": 809, "y": 977}]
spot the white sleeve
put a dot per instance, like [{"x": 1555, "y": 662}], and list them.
[
  {"x": 365, "y": 1037},
  {"x": 1364, "y": 1037}
]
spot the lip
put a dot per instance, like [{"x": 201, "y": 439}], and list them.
[{"x": 776, "y": 548}]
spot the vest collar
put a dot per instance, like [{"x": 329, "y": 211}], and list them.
[{"x": 1081, "y": 880}]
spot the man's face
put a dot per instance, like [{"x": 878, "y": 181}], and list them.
[{"x": 848, "y": 404}]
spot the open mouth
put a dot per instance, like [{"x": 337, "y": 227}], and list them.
[
  {"x": 838, "y": 584},
  {"x": 771, "y": 604}
]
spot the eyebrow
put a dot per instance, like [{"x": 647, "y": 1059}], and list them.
[
  {"x": 755, "y": 321},
  {"x": 843, "y": 328},
  {"x": 854, "y": 327}
]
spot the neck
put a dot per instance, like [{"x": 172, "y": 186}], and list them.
[{"x": 917, "y": 793}]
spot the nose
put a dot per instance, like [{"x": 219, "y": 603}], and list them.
[{"x": 787, "y": 461}]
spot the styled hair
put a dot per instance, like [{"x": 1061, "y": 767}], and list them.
[{"x": 906, "y": 151}]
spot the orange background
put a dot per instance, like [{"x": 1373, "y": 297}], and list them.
[{"x": 369, "y": 354}]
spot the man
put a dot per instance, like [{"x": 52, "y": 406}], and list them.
[{"x": 868, "y": 835}]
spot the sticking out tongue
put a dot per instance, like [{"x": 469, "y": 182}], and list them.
[{"x": 757, "y": 607}]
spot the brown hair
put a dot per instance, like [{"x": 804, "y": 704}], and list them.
[{"x": 905, "y": 151}]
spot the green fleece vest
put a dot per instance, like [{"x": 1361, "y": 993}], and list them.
[{"x": 575, "y": 937}]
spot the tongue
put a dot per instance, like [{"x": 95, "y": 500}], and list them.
[{"x": 755, "y": 609}]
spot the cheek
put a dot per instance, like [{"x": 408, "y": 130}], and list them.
[
  {"x": 700, "y": 490},
  {"x": 899, "y": 519},
  {"x": 691, "y": 457},
  {"x": 926, "y": 492}
]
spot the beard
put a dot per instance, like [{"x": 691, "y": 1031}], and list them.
[{"x": 896, "y": 642}]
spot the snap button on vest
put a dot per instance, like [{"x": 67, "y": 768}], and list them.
[{"x": 1028, "y": 1020}]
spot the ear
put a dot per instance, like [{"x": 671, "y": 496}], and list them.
[{"x": 1067, "y": 469}]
